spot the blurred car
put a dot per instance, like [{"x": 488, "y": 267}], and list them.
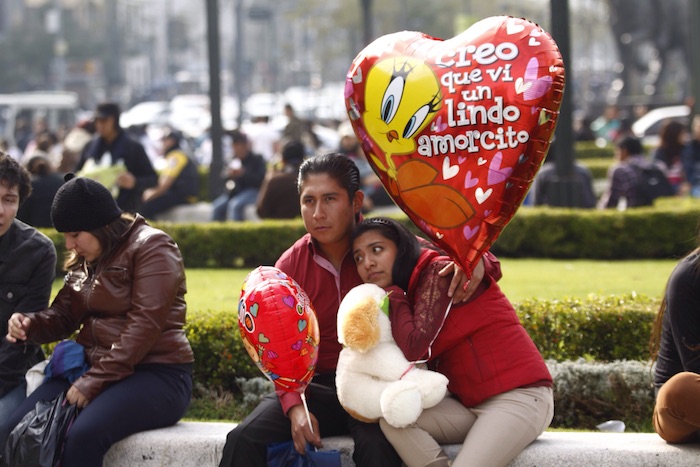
[
  {"x": 263, "y": 104},
  {"x": 189, "y": 113},
  {"x": 229, "y": 114},
  {"x": 648, "y": 126},
  {"x": 146, "y": 113}
]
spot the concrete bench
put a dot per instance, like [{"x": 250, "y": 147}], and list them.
[
  {"x": 200, "y": 444},
  {"x": 199, "y": 212}
]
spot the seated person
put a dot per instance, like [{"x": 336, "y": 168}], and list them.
[
  {"x": 623, "y": 176},
  {"x": 27, "y": 271},
  {"x": 124, "y": 294},
  {"x": 245, "y": 175},
  {"x": 178, "y": 183},
  {"x": 278, "y": 198},
  {"x": 36, "y": 209},
  {"x": 547, "y": 181},
  {"x": 674, "y": 349},
  {"x": 501, "y": 396}
]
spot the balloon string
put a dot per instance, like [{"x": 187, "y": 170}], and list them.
[{"x": 306, "y": 409}]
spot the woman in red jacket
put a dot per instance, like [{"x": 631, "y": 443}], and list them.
[{"x": 500, "y": 388}]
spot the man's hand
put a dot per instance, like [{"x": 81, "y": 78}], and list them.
[
  {"x": 148, "y": 194},
  {"x": 18, "y": 327},
  {"x": 301, "y": 431},
  {"x": 126, "y": 180},
  {"x": 462, "y": 288}
]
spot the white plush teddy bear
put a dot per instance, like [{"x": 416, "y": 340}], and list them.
[{"x": 373, "y": 377}]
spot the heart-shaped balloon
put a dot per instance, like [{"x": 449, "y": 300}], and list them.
[
  {"x": 279, "y": 328},
  {"x": 457, "y": 129}
]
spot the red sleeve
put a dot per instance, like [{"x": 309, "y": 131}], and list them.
[
  {"x": 414, "y": 327},
  {"x": 492, "y": 266},
  {"x": 288, "y": 399}
]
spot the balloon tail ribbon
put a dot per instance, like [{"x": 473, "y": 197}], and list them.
[
  {"x": 430, "y": 346},
  {"x": 306, "y": 409},
  {"x": 308, "y": 415}
]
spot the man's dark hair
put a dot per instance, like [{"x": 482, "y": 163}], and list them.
[
  {"x": 338, "y": 166},
  {"x": 293, "y": 152},
  {"x": 237, "y": 136},
  {"x": 632, "y": 145},
  {"x": 13, "y": 174},
  {"x": 408, "y": 248},
  {"x": 109, "y": 110}
]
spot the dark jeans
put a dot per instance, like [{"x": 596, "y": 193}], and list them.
[
  {"x": 155, "y": 396},
  {"x": 247, "y": 443},
  {"x": 167, "y": 200}
]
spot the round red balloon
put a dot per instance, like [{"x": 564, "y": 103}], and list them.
[
  {"x": 279, "y": 328},
  {"x": 457, "y": 129}
]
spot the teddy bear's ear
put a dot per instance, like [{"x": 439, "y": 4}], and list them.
[{"x": 359, "y": 328}]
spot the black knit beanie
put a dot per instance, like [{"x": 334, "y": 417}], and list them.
[{"x": 82, "y": 205}]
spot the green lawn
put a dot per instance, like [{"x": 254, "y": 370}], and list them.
[{"x": 522, "y": 279}]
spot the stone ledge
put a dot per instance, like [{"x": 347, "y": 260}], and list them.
[{"x": 200, "y": 444}]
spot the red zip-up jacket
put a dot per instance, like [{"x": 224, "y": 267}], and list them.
[{"x": 481, "y": 346}]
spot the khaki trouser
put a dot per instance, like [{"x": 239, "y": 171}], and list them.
[
  {"x": 492, "y": 433},
  {"x": 677, "y": 412}
]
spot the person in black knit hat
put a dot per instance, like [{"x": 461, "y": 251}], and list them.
[
  {"x": 124, "y": 292},
  {"x": 82, "y": 205}
]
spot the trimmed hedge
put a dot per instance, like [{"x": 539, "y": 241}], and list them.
[
  {"x": 597, "y": 328},
  {"x": 598, "y": 166},
  {"x": 589, "y": 393},
  {"x": 667, "y": 230},
  {"x": 585, "y": 394},
  {"x": 590, "y": 150}
]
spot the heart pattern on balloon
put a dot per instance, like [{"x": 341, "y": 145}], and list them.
[
  {"x": 457, "y": 129},
  {"x": 279, "y": 328}
]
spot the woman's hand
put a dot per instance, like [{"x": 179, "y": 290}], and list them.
[
  {"x": 18, "y": 327},
  {"x": 75, "y": 397},
  {"x": 462, "y": 288},
  {"x": 301, "y": 431}
]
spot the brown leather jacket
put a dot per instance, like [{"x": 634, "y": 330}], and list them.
[{"x": 131, "y": 308}]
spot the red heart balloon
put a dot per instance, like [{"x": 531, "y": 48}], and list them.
[
  {"x": 456, "y": 130},
  {"x": 279, "y": 328}
]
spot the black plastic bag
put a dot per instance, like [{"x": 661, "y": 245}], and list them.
[
  {"x": 284, "y": 455},
  {"x": 37, "y": 440}
]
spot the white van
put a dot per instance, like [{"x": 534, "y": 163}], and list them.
[{"x": 19, "y": 112}]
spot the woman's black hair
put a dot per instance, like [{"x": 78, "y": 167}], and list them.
[{"x": 407, "y": 245}]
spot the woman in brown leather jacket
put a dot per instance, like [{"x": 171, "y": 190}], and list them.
[{"x": 125, "y": 292}]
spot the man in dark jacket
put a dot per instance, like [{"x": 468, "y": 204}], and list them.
[
  {"x": 27, "y": 269},
  {"x": 245, "y": 175},
  {"x": 113, "y": 146},
  {"x": 279, "y": 198}
]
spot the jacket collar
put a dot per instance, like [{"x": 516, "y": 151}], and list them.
[{"x": 7, "y": 242}]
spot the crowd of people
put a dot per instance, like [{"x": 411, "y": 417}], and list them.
[
  {"x": 673, "y": 165},
  {"x": 153, "y": 176},
  {"x": 123, "y": 300}
]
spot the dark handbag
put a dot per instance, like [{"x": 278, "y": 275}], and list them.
[
  {"x": 37, "y": 440},
  {"x": 284, "y": 455}
]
